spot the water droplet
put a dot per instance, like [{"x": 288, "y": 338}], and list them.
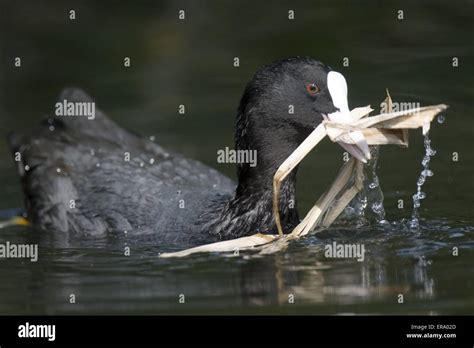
[
  {"x": 421, "y": 180},
  {"x": 51, "y": 128},
  {"x": 425, "y": 161},
  {"x": 97, "y": 165},
  {"x": 368, "y": 205},
  {"x": 152, "y": 160},
  {"x": 414, "y": 223},
  {"x": 377, "y": 208},
  {"x": 27, "y": 167},
  {"x": 419, "y": 196},
  {"x": 142, "y": 164},
  {"x": 58, "y": 170},
  {"x": 441, "y": 119},
  {"x": 152, "y": 138},
  {"x": 427, "y": 172}
]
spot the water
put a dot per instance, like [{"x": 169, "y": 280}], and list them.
[
  {"x": 375, "y": 194},
  {"x": 425, "y": 173},
  {"x": 367, "y": 207},
  {"x": 191, "y": 63}
]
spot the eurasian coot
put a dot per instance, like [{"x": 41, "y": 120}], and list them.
[{"x": 77, "y": 179}]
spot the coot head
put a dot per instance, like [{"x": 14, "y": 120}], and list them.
[
  {"x": 290, "y": 94},
  {"x": 281, "y": 105}
]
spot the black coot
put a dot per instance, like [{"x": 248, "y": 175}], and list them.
[{"x": 77, "y": 182}]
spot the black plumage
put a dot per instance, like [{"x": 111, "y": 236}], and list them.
[{"x": 75, "y": 159}]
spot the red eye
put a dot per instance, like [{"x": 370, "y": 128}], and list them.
[{"x": 312, "y": 88}]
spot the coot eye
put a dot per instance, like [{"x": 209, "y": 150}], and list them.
[{"x": 312, "y": 88}]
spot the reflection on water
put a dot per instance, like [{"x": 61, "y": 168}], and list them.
[
  {"x": 298, "y": 280},
  {"x": 191, "y": 63}
]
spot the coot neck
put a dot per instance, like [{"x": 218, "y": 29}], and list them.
[
  {"x": 272, "y": 145},
  {"x": 250, "y": 210}
]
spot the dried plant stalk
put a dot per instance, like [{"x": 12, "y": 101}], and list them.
[
  {"x": 243, "y": 243},
  {"x": 346, "y": 197},
  {"x": 289, "y": 164},
  {"x": 325, "y": 201}
]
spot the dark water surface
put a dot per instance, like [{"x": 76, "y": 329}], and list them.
[{"x": 190, "y": 63}]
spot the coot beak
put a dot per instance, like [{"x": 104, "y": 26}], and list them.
[{"x": 338, "y": 90}]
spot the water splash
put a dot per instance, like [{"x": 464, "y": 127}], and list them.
[
  {"x": 372, "y": 188},
  {"x": 425, "y": 173},
  {"x": 367, "y": 207}
]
